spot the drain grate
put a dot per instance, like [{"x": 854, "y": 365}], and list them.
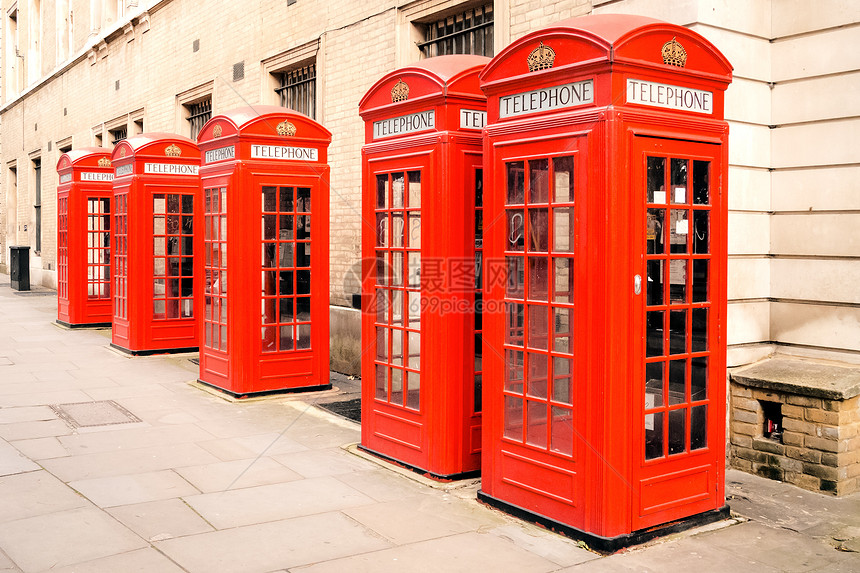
[
  {"x": 89, "y": 414},
  {"x": 350, "y": 409}
]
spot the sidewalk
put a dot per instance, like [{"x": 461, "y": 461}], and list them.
[{"x": 191, "y": 482}]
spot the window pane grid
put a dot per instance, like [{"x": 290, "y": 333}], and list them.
[
  {"x": 297, "y": 89},
  {"x": 540, "y": 244},
  {"x": 120, "y": 254},
  {"x": 398, "y": 289},
  {"x": 215, "y": 268},
  {"x": 467, "y": 32},
  {"x": 173, "y": 256},
  {"x": 198, "y": 114},
  {"x": 63, "y": 247},
  {"x": 479, "y": 292},
  {"x": 677, "y": 300},
  {"x": 98, "y": 248}
]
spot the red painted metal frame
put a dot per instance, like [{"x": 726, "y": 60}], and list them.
[
  {"x": 435, "y": 429},
  {"x": 242, "y": 367},
  {"x": 602, "y": 484},
  {"x": 83, "y": 293},
  {"x": 146, "y": 166}
]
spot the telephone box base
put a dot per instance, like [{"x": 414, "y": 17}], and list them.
[
  {"x": 608, "y": 545},
  {"x": 244, "y": 395},
  {"x": 154, "y": 351},
  {"x": 422, "y": 471},
  {"x": 65, "y": 324}
]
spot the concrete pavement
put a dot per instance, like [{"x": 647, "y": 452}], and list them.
[{"x": 154, "y": 474}]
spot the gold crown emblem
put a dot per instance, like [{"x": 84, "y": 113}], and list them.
[
  {"x": 104, "y": 162},
  {"x": 216, "y": 131},
  {"x": 400, "y": 92},
  {"x": 541, "y": 58},
  {"x": 674, "y": 53},
  {"x": 172, "y": 150},
  {"x": 122, "y": 152},
  {"x": 286, "y": 128}
]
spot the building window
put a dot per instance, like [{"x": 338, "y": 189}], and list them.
[
  {"x": 13, "y": 56},
  {"x": 297, "y": 89},
  {"x": 118, "y": 134},
  {"x": 198, "y": 114},
  {"x": 37, "y": 204},
  {"x": 466, "y": 32}
]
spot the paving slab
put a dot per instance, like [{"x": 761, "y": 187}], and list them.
[
  {"x": 271, "y": 546},
  {"x": 129, "y": 437},
  {"x": 278, "y": 501},
  {"x": 382, "y": 485},
  {"x": 26, "y": 414},
  {"x": 65, "y": 538},
  {"x": 35, "y": 493},
  {"x": 12, "y": 461},
  {"x": 551, "y": 546},
  {"x": 41, "y": 448},
  {"x": 135, "y": 488},
  {"x": 39, "y": 429},
  {"x": 160, "y": 520},
  {"x": 324, "y": 462},
  {"x": 139, "y": 561},
  {"x": 237, "y": 474}
]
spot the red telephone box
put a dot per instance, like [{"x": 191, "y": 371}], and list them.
[
  {"x": 265, "y": 183},
  {"x": 156, "y": 188},
  {"x": 421, "y": 240},
  {"x": 606, "y": 157},
  {"x": 84, "y": 197}
]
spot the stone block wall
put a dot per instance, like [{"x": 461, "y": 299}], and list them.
[{"x": 816, "y": 442}]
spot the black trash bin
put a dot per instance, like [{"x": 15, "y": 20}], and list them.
[{"x": 20, "y": 270}]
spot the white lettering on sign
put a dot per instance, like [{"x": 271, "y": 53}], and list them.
[
  {"x": 283, "y": 152},
  {"x": 171, "y": 168},
  {"x": 96, "y": 176},
  {"x": 669, "y": 97},
  {"x": 404, "y": 124},
  {"x": 126, "y": 169},
  {"x": 472, "y": 119},
  {"x": 220, "y": 154},
  {"x": 556, "y": 97},
  {"x": 65, "y": 178}
]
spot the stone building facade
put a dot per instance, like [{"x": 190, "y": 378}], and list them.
[{"x": 77, "y": 73}]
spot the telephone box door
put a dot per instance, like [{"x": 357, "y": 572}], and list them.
[{"x": 678, "y": 422}]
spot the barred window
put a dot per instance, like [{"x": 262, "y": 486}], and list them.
[
  {"x": 297, "y": 89},
  {"x": 198, "y": 114},
  {"x": 118, "y": 134},
  {"x": 467, "y": 32}
]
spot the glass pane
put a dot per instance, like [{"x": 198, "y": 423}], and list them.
[
  {"x": 654, "y": 284},
  {"x": 269, "y": 227},
  {"x": 700, "y": 330},
  {"x": 656, "y": 185},
  {"x": 188, "y": 203},
  {"x": 285, "y": 305},
  {"x": 398, "y": 231},
  {"x": 397, "y": 386},
  {"x": 514, "y": 314},
  {"x": 269, "y": 337},
  {"x": 654, "y": 232},
  {"x": 562, "y": 280},
  {"x": 538, "y": 230},
  {"x": 303, "y": 227},
  {"x": 286, "y": 227},
  {"x": 414, "y": 223},
  {"x": 172, "y": 245},
  {"x": 538, "y": 278},
  {"x": 303, "y": 254},
  {"x": 678, "y": 281},
  {"x": 286, "y": 337},
  {"x": 303, "y": 309},
  {"x": 701, "y": 186},
  {"x": 699, "y": 427},
  {"x": 285, "y": 283},
  {"x": 158, "y": 308},
  {"x": 303, "y": 199},
  {"x": 414, "y": 198},
  {"x": 654, "y": 333},
  {"x": 539, "y": 181},
  {"x": 677, "y": 382},
  {"x": 382, "y": 344},
  {"x": 561, "y": 380},
  {"x": 538, "y": 327},
  {"x": 699, "y": 379},
  {"x": 285, "y": 255},
  {"x": 304, "y": 336},
  {"x": 677, "y": 332},
  {"x": 382, "y": 191},
  {"x": 397, "y": 188},
  {"x": 515, "y": 285},
  {"x": 562, "y": 333},
  {"x": 413, "y": 270},
  {"x": 562, "y": 229},
  {"x": 677, "y": 431},
  {"x": 515, "y": 182},
  {"x": 172, "y": 203},
  {"x": 561, "y": 440},
  {"x": 515, "y": 230},
  {"x": 382, "y": 229},
  {"x": 538, "y": 375},
  {"x": 397, "y": 269},
  {"x": 563, "y": 179},
  {"x": 700, "y": 280},
  {"x": 303, "y": 281},
  {"x": 158, "y": 266},
  {"x": 679, "y": 228},
  {"x": 414, "y": 361},
  {"x": 653, "y": 435},
  {"x": 396, "y": 347},
  {"x": 653, "y": 385},
  {"x": 413, "y": 390},
  {"x": 381, "y": 382},
  {"x": 268, "y": 255},
  {"x": 514, "y": 418},
  {"x": 701, "y": 222},
  {"x": 679, "y": 180},
  {"x": 158, "y": 204},
  {"x": 157, "y": 225},
  {"x": 536, "y": 431},
  {"x": 514, "y": 371},
  {"x": 397, "y": 307},
  {"x": 270, "y": 283},
  {"x": 413, "y": 306},
  {"x": 269, "y": 199}
]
